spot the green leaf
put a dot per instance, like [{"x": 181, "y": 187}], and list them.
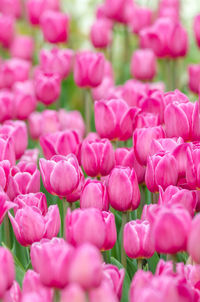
[
  {"x": 19, "y": 275},
  {"x": 152, "y": 262},
  {"x": 131, "y": 267}
]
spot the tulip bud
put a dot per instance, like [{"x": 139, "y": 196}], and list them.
[
  {"x": 103, "y": 293},
  {"x": 94, "y": 195},
  {"x": 97, "y": 157},
  {"x": 55, "y": 26},
  {"x": 73, "y": 293},
  {"x": 101, "y": 33},
  {"x": 43, "y": 255},
  {"x": 7, "y": 105},
  {"x": 196, "y": 26},
  {"x": 72, "y": 120},
  {"x": 194, "y": 77},
  {"x": 5, "y": 205},
  {"x": 7, "y": 270},
  {"x": 143, "y": 64},
  {"x": 141, "y": 18},
  {"x": 192, "y": 245},
  {"x": 22, "y": 47},
  {"x": 123, "y": 189},
  {"x": 7, "y": 149},
  {"x": 13, "y": 294},
  {"x": 7, "y": 30},
  {"x": 116, "y": 276},
  {"x": 119, "y": 10}
]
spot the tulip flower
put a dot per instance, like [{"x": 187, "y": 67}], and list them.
[
  {"x": 196, "y": 29},
  {"x": 4, "y": 172},
  {"x": 7, "y": 149},
  {"x": 5, "y": 205},
  {"x": 119, "y": 10},
  {"x": 89, "y": 69},
  {"x": 37, "y": 200},
  {"x": 116, "y": 276},
  {"x": 165, "y": 144},
  {"x": 143, "y": 64},
  {"x": 7, "y": 270},
  {"x": 192, "y": 165},
  {"x": 132, "y": 91},
  {"x": 101, "y": 33},
  {"x": 97, "y": 157},
  {"x": 141, "y": 18},
  {"x": 30, "y": 155},
  {"x": 22, "y": 47},
  {"x": 56, "y": 60},
  {"x": 192, "y": 246},
  {"x": 73, "y": 292},
  {"x": 7, "y": 30},
  {"x": 147, "y": 120},
  {"x": 194, "y": 77},
  {"x": 82, "y": 226},
  {"x": 13, "y": 294},
  {"x": 114, "y": 119},
  {"x": 71, "y": 120},
  {"x": 43, "y": 255},
  {"x": 7, "y": 105},
  {"x": 175, "y": 96},
  {"x": 137, "y": 239},
  {"x": 104, "y": 293},
  {"x": 123, "y": 189},
  {"x": 94, "y": 195}
]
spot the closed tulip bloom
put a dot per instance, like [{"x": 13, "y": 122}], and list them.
[
  {"x": 7, "y": 31},
  {"x": 4, "y": 173},
  {"x": 55, "y": 26},
  {"x": 143, "y": 64},
  {"x": 137, "y": 240},
  {"x": 7, "y": 270},
  {"x": 119, "y": 11},
  {"x": 61, "y": 175},
  {"x": 7, "y": 148},
  {"x": 178, "y": 49},
  {"x": 114, "y": 119},
  {"x": 73, "y": 293},
  {"x": 140, "y": 282},
  {"x": 192, "y": 165},
  {"x": 162, "y": 170},
  {"x": 196, "y": 26},
  {"x": 147, "y": 120},
  {"x": 101, "y": 33},
  {"x": 116, "y": 276},
  {"x": 86, "y": 267},
  {"x": 60, "y": 143},
  {"x": 97, "y": 157},
  {"x": 22, "y": 47},
  {"x": 37, "y": 200},
  {"x": 47, "y": 87},
  {"x": 24, "y": 178},
  {"x": 194, "y": 77},
  {"x": 101, "y": 91},
  {"x": 142, "y": 17},
  {"x": 123, "y": 189},
  {"x": 82, "y": 226},
  {"x": 175, "y": 96},
  {"x": 142, "y": 139},
  {"x": 18, "y": 131},
  {"x": 132, "y": 91},
  {"x": 72, "y": 120},
  {"x": 170, "y": 230},
  {"x": 94, "y": 195},
  {"x": 43, "y": 255},
  {"x": 13, "y": 294},
  {"x": 104, "y": 293},
  {"x": 5, "y": 205},
  {"x": 7, "y": 105},
  {"x": 89, "y": 69},
  {"x": 11, "y": 7},
  {"x": 192, "y": 245},
  {"x": 165, "y": 144},
  {"x": 57, "y": 60}
]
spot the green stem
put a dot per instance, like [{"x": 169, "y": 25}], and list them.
[
  {"x": 65, "y": 205},
  {"x": 139, "y": 263},
  {"x": 123, "y": 253},
  {"x": 173, "y": 259},
  {"x": 88, "y": 105},
  {"x": 142, "y": 193},
  {"x": 105, "y": 255},
  {"x": 56, "y": 297},
  {"x": 7, "y": 231}
]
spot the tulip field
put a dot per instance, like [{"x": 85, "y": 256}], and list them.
[{"x": 99, "y": 151}]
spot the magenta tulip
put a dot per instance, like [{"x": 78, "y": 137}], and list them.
[
  {"x": 101, "y": 33},
  {"x": 22, "y": 47},
  {"x": 196, "y": 26},
  {"x": 143, "y": 64},
  {"x": 7, "y": 270},
  {"x": 192, "y": 245},
  {"x": 194, "y": 77},
  {"x": 116, "y": 276},
  {"x": 37, "y": 200},
  {"x": 141, "y": 18},
  {"x": 73, "y": 293}
]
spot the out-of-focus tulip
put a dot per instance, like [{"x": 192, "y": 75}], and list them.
[
  {"x": 61, "y": 175},
  {"x": 60, "y": 143},
  {"x": 71, "y": 120},
  {"x": 175, "y": 96},
  {"x": 104, "y": 293},
  {"x": 7, "y": 105},
  {"x": 29, "y": 225},
  {"x": 31, "y": 155},
  {"x": 192, "y": 165},
  {"x": 91, "y": 225},
  {"x": 196, "y": 27},
  {"x": 101, "y": 91},
  {"x": 18, "y": 131},
  {"x": 25, "y": 101},
  {"x": 114, "y": 119},
  {"x": 90, "y": 274},
  {"x": 94, "y": 195},
  {"x": 7, "y": 148},
  {"x": 37, "y": 200},
  {"x": 43, "y": 255},
  {"x": 132, "y": 91},
  {"x": 13, "y": 294},
  {"x": 192, "y": 245},
  {"x": 47, "y": 87},
  {"x": 119, "y": 10},
  {"x": 143, "y": 64},
  {"x": 140, "y": 281},
  {"x": 141, "y": 18},
  {"x": 7, "y": 31},
  {"x": 55, "y": 26},
  {"x": 137, "y": 239},
  {"x": 170, "y": 229},
  {"x": 101, "y": 33},
  {"x": 73, "y": 293},
  {"x": 89, "y": 69},
  {"x": 142, "y": 139},
  {"x": 4, "y": 173},
  {"x": 194, "y": 77},
  {"x": 57, "y": 60},
  {"x": 22, "y": 47},
  {"x": 169, "y": 9},
  {"x": 11, "y": 7},
  {"x": 5, "y": 205},
  {"x": 146, "y": 120},
  {"x": 123, "y": 189},
  {"x": 116, "y": 276},
  {"x": 7, "y": 270},
  {"x": 97, "y": 157},
  {"x": 24, "y": 178},
  {"x": 162, "y": 170}
]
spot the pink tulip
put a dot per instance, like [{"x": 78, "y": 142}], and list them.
[
  {"x": 100, "y": 11},
  {"x": 5, "y": 205},
  {"x": 115, "y": 276},
  {"x": 13, "y": 294},
  {"x": 61, "y": 175},
  {"x": 137, "y": 239},
  {"x": 192, "y": 165},
  {"x": 7, "y": 270},
  {"x": 25, "y": 101},
  {"x": 194, "y": 77},
  {"x": 132, "y": 91},
  {"x": 141, "y": 281},
  {"x": 101, "y": 91},
  {"x": 84, "y": 225},
  {"x": 55, "y": 26},
  {"x": 43, "y": 123},
  {"x": 43, "y": 255},
  {"x": 178, "y": 43},
  {"x": 47, "y": 87},
  {"x": 143, "y": 64},
  {"x": 11, "y": 8},
  {"x": 94, "y": 195},
  {"x": 36, "y": 200},
  {"x": 119, "y": 10},
  {"x": 123, "y": 190},
  {"x": 142, "y": 139},
  {"x": 165, "y": 144},
  {"x": 60, "y": 143},
  {"x": 57, "y": 60},
  {"x": 101, "y": 33},
  {"x": 24, "y": 178},
  {"x": 89, "y": 69},
  {"x": 4, "y": 173},
  {"x": 103, "y": 293},
  {"x": 31, "y": 155},
  {"x": 170, "y": 9},
  {"x": 18, "y": 131},
  {"x": 114, "y": 119},
  {"x": 90, "y": 274},
  {"x": 22, "y": 47},
  {"x": 7, "y": 148},
  {"x": 73, "y": 293},
  {"x": 196, "y": 26},
  {"x": 175, "y": 195},
  {"x": 71, "y": 120},
  {"x": 7, "y": 30},
  {"x": 126, "y": 157},
  {"x": 7, "y": 105},
  {"x": 141, "y": 18},
  {"x": 97, "y": 157},
  {"x": 162, "y": 170},
  {"x": 170, "y": 229},
  {"x": 175, "y": 96},
  {"x": 147, "y": 120}
]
